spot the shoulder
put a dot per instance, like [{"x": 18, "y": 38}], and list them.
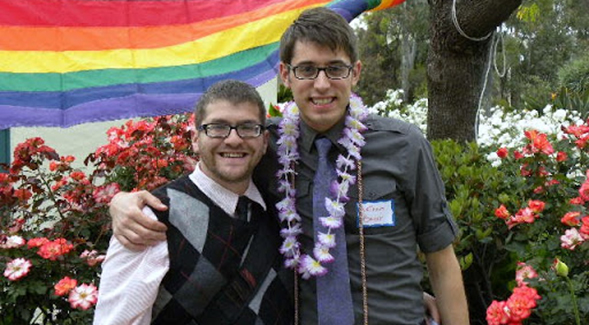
[
  {"x": 388, "y": 124},
  {"x": 180, "y": 184},
  {"x": 393, "y": 133},
  {"x": 125, "y": 271}
]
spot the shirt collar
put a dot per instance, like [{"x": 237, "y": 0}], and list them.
[
  {"x": 308, "y": 135},
  {"x": 224, "y": 198}
]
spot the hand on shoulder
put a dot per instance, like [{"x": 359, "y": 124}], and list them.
[{"x": 132, "y": 228}]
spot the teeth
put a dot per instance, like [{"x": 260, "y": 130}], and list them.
[
  {"x": 233, "y": 155},
  {"x": 322, "y": 101}
]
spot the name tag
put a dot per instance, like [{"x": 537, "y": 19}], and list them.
[{"x": 378, "y": 213}]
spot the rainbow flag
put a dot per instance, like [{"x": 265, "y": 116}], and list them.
[{"x": 65, "y": 62}]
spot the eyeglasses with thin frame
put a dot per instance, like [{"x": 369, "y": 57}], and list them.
[
  {"x": 311, "y": 72},
  {"x": 220, "y": 130}
]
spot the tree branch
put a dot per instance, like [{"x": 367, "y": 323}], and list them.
[{"x": 478, "y": 18}]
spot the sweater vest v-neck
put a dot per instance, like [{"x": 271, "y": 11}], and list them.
[{"x": 222, "y": 270}]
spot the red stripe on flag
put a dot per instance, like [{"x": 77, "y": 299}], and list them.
[{"x": 122, "y": 12}]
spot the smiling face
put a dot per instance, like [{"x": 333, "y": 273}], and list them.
[
  {"x": 322, "y": 102},
  {"x": 230, "y": 161}
]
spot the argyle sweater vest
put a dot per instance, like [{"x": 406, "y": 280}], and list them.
[{"x": 222, "y": 270}]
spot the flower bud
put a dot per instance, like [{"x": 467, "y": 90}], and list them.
[{"x": 561, "y": 268}]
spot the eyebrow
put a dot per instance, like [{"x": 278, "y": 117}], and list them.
[
  {"x": 334, "y": 62},
  {"x": 223, "y": 121}
]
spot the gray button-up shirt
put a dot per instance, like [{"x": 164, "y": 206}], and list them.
[{"x": 398, "y": 167}]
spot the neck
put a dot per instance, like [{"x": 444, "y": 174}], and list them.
[{"x": 238, "y": 187}]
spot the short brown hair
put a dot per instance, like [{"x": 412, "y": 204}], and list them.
[
  {"x": 321, "y": 26},
  {"x": 233, "y": 91}
]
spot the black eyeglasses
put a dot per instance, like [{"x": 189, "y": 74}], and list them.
[
  {"x": 310, "y": 72},
  {"x": 244, "y": 131}
]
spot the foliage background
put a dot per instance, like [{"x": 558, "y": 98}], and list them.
[{"x": 544, "y": 41}]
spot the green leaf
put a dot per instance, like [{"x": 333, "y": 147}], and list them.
[
  {"x": 466, "y": 261},
  {"x": 273, "y": 112}
]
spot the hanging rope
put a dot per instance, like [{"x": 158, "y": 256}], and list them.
[
  {"x": 504, "y": 70},
  {"x": 492, "y": 55},
  {"x": 482, "y": 95},
  {"x": 460, "y": 31}
]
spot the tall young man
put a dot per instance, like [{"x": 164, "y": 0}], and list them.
[
  {"x": 220, "y": 263},
  {"x": 386, "y": 203}
]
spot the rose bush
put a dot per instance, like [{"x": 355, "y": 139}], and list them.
[
  {"x": 531, "y": 208},
  {"x": 50, "y": 217},
  {"x": 545, "y": 213},
  {"x": 54, "y": 226},
  {"x": 145, "y": 154}
]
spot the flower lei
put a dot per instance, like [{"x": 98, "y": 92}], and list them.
[{"x": 353, "y": 140}]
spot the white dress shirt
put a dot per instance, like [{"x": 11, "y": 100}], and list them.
[{"x": 130, "y": 280}]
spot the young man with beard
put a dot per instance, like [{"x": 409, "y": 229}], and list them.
[
  {"x": 220, "y": 263},
  {"x": 357, "y": 252}
]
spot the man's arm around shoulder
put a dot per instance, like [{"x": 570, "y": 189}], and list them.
[
  {"x": 130, "y": 282},
  {"x": 131, "y": 226}
]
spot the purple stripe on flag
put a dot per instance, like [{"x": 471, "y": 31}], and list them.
[{"x": 109, "y": 109}]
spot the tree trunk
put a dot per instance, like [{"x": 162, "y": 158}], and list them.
[
  {"x": 456, "y": 65},
  {"x": 408, "y": 53}
]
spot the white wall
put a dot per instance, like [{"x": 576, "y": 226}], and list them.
[{"x": 81, "y": 140}]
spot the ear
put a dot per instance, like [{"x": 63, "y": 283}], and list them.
[
  {"x": 356, "y": 70},
  {"x": 194, "y": 138},
  {"x": 266, "y": 136},
  {"x": 284, "y": 74}
]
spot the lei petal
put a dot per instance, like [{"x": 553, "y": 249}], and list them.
[
  {"x": 311, "y": 267},
  {"x": 355, "y": 124},
  {"x": 355, "y": 137},
  {"x": 291, "y": 263},
  {"x": 289, "y": 141},
  {"x": 334, "y": 208},
  {"x": 283, "y": 186},
  {"x": 322, "y": 254},
  {"x": 289, "y": 246},
  {"x": 331, "y": 222},
  {"x": 291, "y": 109},
  {"x": 291, "y": 231},
  {"x": 346, "y": 177},
  {"x": 326, "y": 240},
  {"x": 355, "y": 152},
  {"x": 291, "y": 131},
  {"x": 294, "y": 216},
  {"x": 340, "y": 191},
  {"x": 344, "y": 162},
  {"x": 287, "y": 210},
  {"x": 285, "y": 204}
]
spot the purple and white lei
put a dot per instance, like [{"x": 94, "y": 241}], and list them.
[{"x": 352, "y": 139}]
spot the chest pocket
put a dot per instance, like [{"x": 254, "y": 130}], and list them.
[{"x": 381, "y": 189}]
